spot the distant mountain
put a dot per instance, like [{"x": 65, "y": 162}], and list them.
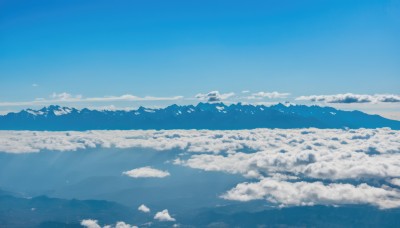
[
  {"x": 309, "y": 216},
  {"x": 201, "y": 116},
  {"x": 43, "y": 211}
]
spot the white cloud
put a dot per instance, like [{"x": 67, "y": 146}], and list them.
[
  {"x": 245, "y": 91},
  {"x": 164, "y": 216},
  {"x": 35, "y": 85},
  {"x": 146, "y": 172},
  {"x": 325, "y": 154},
  {"x": 303, "y": 193},
  {"x": 269, "y": 95},
  {"x": 90, "y": 223},
  {"x": 144, "y": 208},
  {"x": 395, "y": 181},
  {"x": 314, "y": 153},
  {"x": 69, "y": 98},
  {"x": 110, "y": 108},
  {"x": 214, "y": 96},
  {"x": 348, "y": 98},
  {"x": 124, "y": 225},
  {"x": 317, "y": 155},
  {"x": 65, "y": 97},
  {"x": 388, "y": 98},
  {"x": 129, "y": 97}
]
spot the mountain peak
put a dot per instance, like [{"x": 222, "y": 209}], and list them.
[
  {"x": 202, "y": 116},
  {"x": 50, "y": 110}
]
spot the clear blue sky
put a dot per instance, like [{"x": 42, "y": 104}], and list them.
[{"x": 167, "y": 48}]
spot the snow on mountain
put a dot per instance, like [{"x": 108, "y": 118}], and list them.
[{"x": 200, "y": 116}]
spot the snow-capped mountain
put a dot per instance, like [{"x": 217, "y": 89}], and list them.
[
  {"x": 51, "y": 110},
  {"x": 201, "y": 116}
]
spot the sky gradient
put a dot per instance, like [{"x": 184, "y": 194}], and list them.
[{"x": 165, "y": 49}]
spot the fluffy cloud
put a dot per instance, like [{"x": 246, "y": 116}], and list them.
[
  {"x": 346, "y": 165},
  {"x": 324, "y": 154},
  {"x": 395, "y": 181},
  {"x": 351, "y": 98},
  {"x": 90, "y": 223},
  {"x": 388, "y": 98},
  {"x": 308, "y": 156},
  {"x": 163, "y": 216},
  {"x": 146, "y": 172},
  {"x": 206, "y": 141},
  {"x": 124, "y": 225},
  {"x": 214, "y": 96},
  {"x": 303, "y": 193},
  {"x": 144, "y": 208},
  {"x": 269, "y": 95}
]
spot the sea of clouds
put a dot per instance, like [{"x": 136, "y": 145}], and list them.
[{"x": 286, "y": 167}]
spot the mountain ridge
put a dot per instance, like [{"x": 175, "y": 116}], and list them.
[{"x": 201, "y": 116}]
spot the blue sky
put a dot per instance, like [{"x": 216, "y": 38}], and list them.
[{"x": 164, "y": 49}]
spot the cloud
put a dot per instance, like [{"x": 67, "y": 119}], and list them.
[
  {"x": 146, "y": 172},
  {"x": 69, "y": 98},
  {"x": 90, "y": 223},
  {"x": 163, "y": 216},
  {"x": 269, "y": 95},
  {"x": 65, "y": 96},
  {"x": 313, "y": 153},
  {"x": 129, "y": 97},
  {"x": 35, "y": 85},
  {"x": 325, "y": 154},
  {"x": 388, "y": 98},
  {"x": 395, "y": 181},
  {"x": 303, "y": 193},
  {"x": 348, "y": 98},
  {"x": 214, "y": 96},
  {"x": 245, "y": 91},
  {"x": 124, "y": 225},
  {"x": 144, "y": 208},
  {"x": 329, "y": 156}
]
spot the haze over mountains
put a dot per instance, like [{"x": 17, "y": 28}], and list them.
[{"x": 201, "y": 116}]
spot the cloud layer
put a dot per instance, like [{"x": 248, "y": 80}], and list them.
[
  {"x": 308, "y": 166},
  {"x": 303, "y": 193},
  {"x": 348, "y": 98},
  {"x": 64, "y": 97}
]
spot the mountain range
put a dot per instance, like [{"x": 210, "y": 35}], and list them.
[
  {"x": 200, "y": 116},
  {"x": 45, "y": 212}
]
